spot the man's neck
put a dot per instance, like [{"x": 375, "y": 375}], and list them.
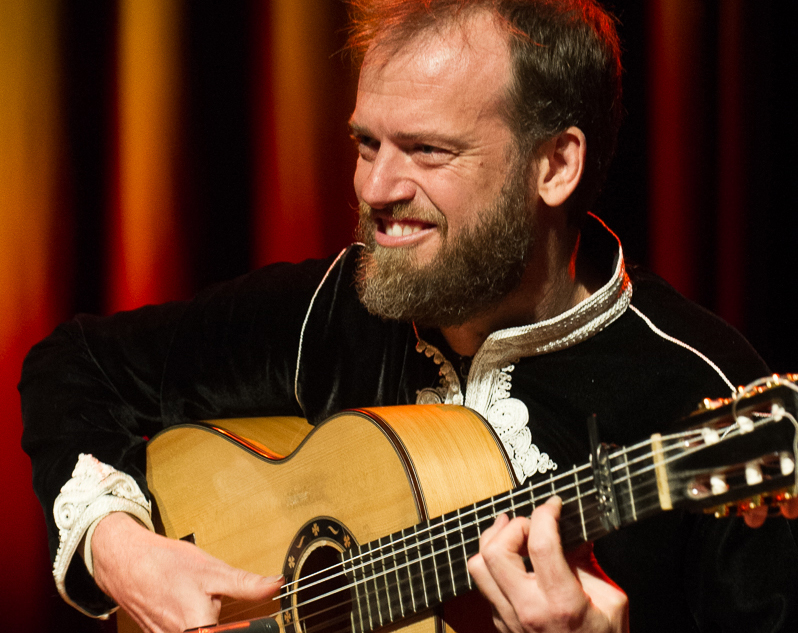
[{"x": 553, "y": 283}]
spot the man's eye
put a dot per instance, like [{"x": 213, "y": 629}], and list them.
[
  {"x": 431, "y": 155},
  {"x": 366, "y": 146}
]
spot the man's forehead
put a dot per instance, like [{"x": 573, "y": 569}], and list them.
[{"x": 443, "y": 46}]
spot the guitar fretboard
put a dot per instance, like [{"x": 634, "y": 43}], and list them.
[{"x": 425, "y": 565}]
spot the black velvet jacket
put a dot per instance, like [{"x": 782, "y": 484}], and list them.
[{"x": 252, "y": 347}]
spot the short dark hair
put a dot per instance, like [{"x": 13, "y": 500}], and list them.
[{"x": 566, "y": 60}]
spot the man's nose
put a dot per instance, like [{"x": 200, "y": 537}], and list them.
[{"x": 387, "y": 180}]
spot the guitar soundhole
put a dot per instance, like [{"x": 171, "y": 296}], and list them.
[
  {"x": 319, "y": 599},
  {"x": 330, "y": 612}
]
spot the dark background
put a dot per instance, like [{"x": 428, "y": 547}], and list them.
[{"x": 702, "y": 189}]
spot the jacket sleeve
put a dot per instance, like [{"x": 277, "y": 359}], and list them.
[
  {"x": 104, "y": 386},
  {"x": 92, "y": 387}
]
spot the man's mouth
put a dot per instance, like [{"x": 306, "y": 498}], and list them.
[{"x": 401, "y": 228}]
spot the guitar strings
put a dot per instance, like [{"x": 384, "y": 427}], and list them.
[
  {"x": 510, "y": 495},
  {"x": 531, "y": 489},
  {"x": 411, "y": 577},
  {"x": 416, "y": 576},
  {"x": 482, "y": 505},
  {"x": 479, "y": 506}
]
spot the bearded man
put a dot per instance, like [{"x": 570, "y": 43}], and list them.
[{"x": 484, "y": 130}]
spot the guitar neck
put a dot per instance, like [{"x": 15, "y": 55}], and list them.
[{"x": 425, "y": 565}]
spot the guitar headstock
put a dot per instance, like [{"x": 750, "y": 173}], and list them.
[{"x": 737, "y": 453}]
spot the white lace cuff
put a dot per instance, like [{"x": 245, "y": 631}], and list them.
[{"x": 95, "y": 491}]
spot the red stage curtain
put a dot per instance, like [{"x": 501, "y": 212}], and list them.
[
  {"x": 33, "y": 228},
  {"x": 146, "y": 253},
  {"x": 675, "y": 165},
  {"x": 149, "y": 147}
]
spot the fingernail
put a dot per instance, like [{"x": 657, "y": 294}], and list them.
[
  {"x": 554, "y": 500},
  {"x": 279, "y": 578}
]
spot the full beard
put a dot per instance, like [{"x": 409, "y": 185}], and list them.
[{"x": 469, "y": 275}]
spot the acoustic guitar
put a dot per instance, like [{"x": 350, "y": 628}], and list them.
[{"x": 373, "y": 514}]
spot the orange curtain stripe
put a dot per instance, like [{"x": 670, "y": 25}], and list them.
[
  {"x": 32, "y": 219},
  {"x": 146, "y": 257},
  {"x": 289, "y": 223}
]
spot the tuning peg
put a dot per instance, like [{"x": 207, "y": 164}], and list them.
[
  {"x": 753, "y": 473},
  {"x": 718, "y": 484},
  {"x": 710, "y": 435},
  {"x": 745, "y": 424},
  {"x": 787, "y": 462}
]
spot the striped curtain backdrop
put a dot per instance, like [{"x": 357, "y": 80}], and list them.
[{"x": 151, "y": 147}]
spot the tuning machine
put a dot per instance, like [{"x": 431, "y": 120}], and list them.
[{"x": 774, "y": 502}]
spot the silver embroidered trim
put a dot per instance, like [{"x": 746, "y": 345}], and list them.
[
  {"x": 510, "y": 418},
  {"x": 449, "y": 389},
  {"x": 94, "y": 491},
  {"x": 489, "y": 380},
  {"x": 578, "y": 324}
]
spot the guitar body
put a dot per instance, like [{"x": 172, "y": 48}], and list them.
[{"x": 363, "y": 474}]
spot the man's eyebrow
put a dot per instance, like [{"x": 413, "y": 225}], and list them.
[
  {"x": 427, "y": 137},
  {"x": 357, "y": 130},
  {"x": 421, "y": 136}
]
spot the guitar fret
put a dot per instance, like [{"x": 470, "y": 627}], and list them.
[
  {"x": 504, "y": 505},
  {"x": 421, "y": 570},
  {"x": 461, "y": 530},
  {"x": 629, "y": 485},
  {"x": 454, "y": 537},
  {"x": 579, "y": 501},
  {"x": 396, "y": 574},
  {"x": 409, "y": 567},
  {"x": 368, "y": 573},
  {"x": 357, "y": 609},
  {"x": 447, "y": 536},
  {"x": 384, "y": 576},
  {"x": 435, "y": 564},
  {"x": 378, "y": 595}
]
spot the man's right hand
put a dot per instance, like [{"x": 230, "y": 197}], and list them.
[{"x": 167, "y": 586}]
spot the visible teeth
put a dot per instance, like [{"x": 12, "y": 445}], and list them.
[{"x": 399, "y": 229}]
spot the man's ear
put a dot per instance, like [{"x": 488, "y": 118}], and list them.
[{"x": 561, "y": 161}]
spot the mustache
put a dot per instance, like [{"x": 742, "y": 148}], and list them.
[{"x": 404, "y": 211}]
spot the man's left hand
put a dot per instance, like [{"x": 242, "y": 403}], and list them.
[{"x": 564, "y": 593}]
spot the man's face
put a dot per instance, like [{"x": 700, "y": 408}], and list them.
[{"x": 439, "y": 192}]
